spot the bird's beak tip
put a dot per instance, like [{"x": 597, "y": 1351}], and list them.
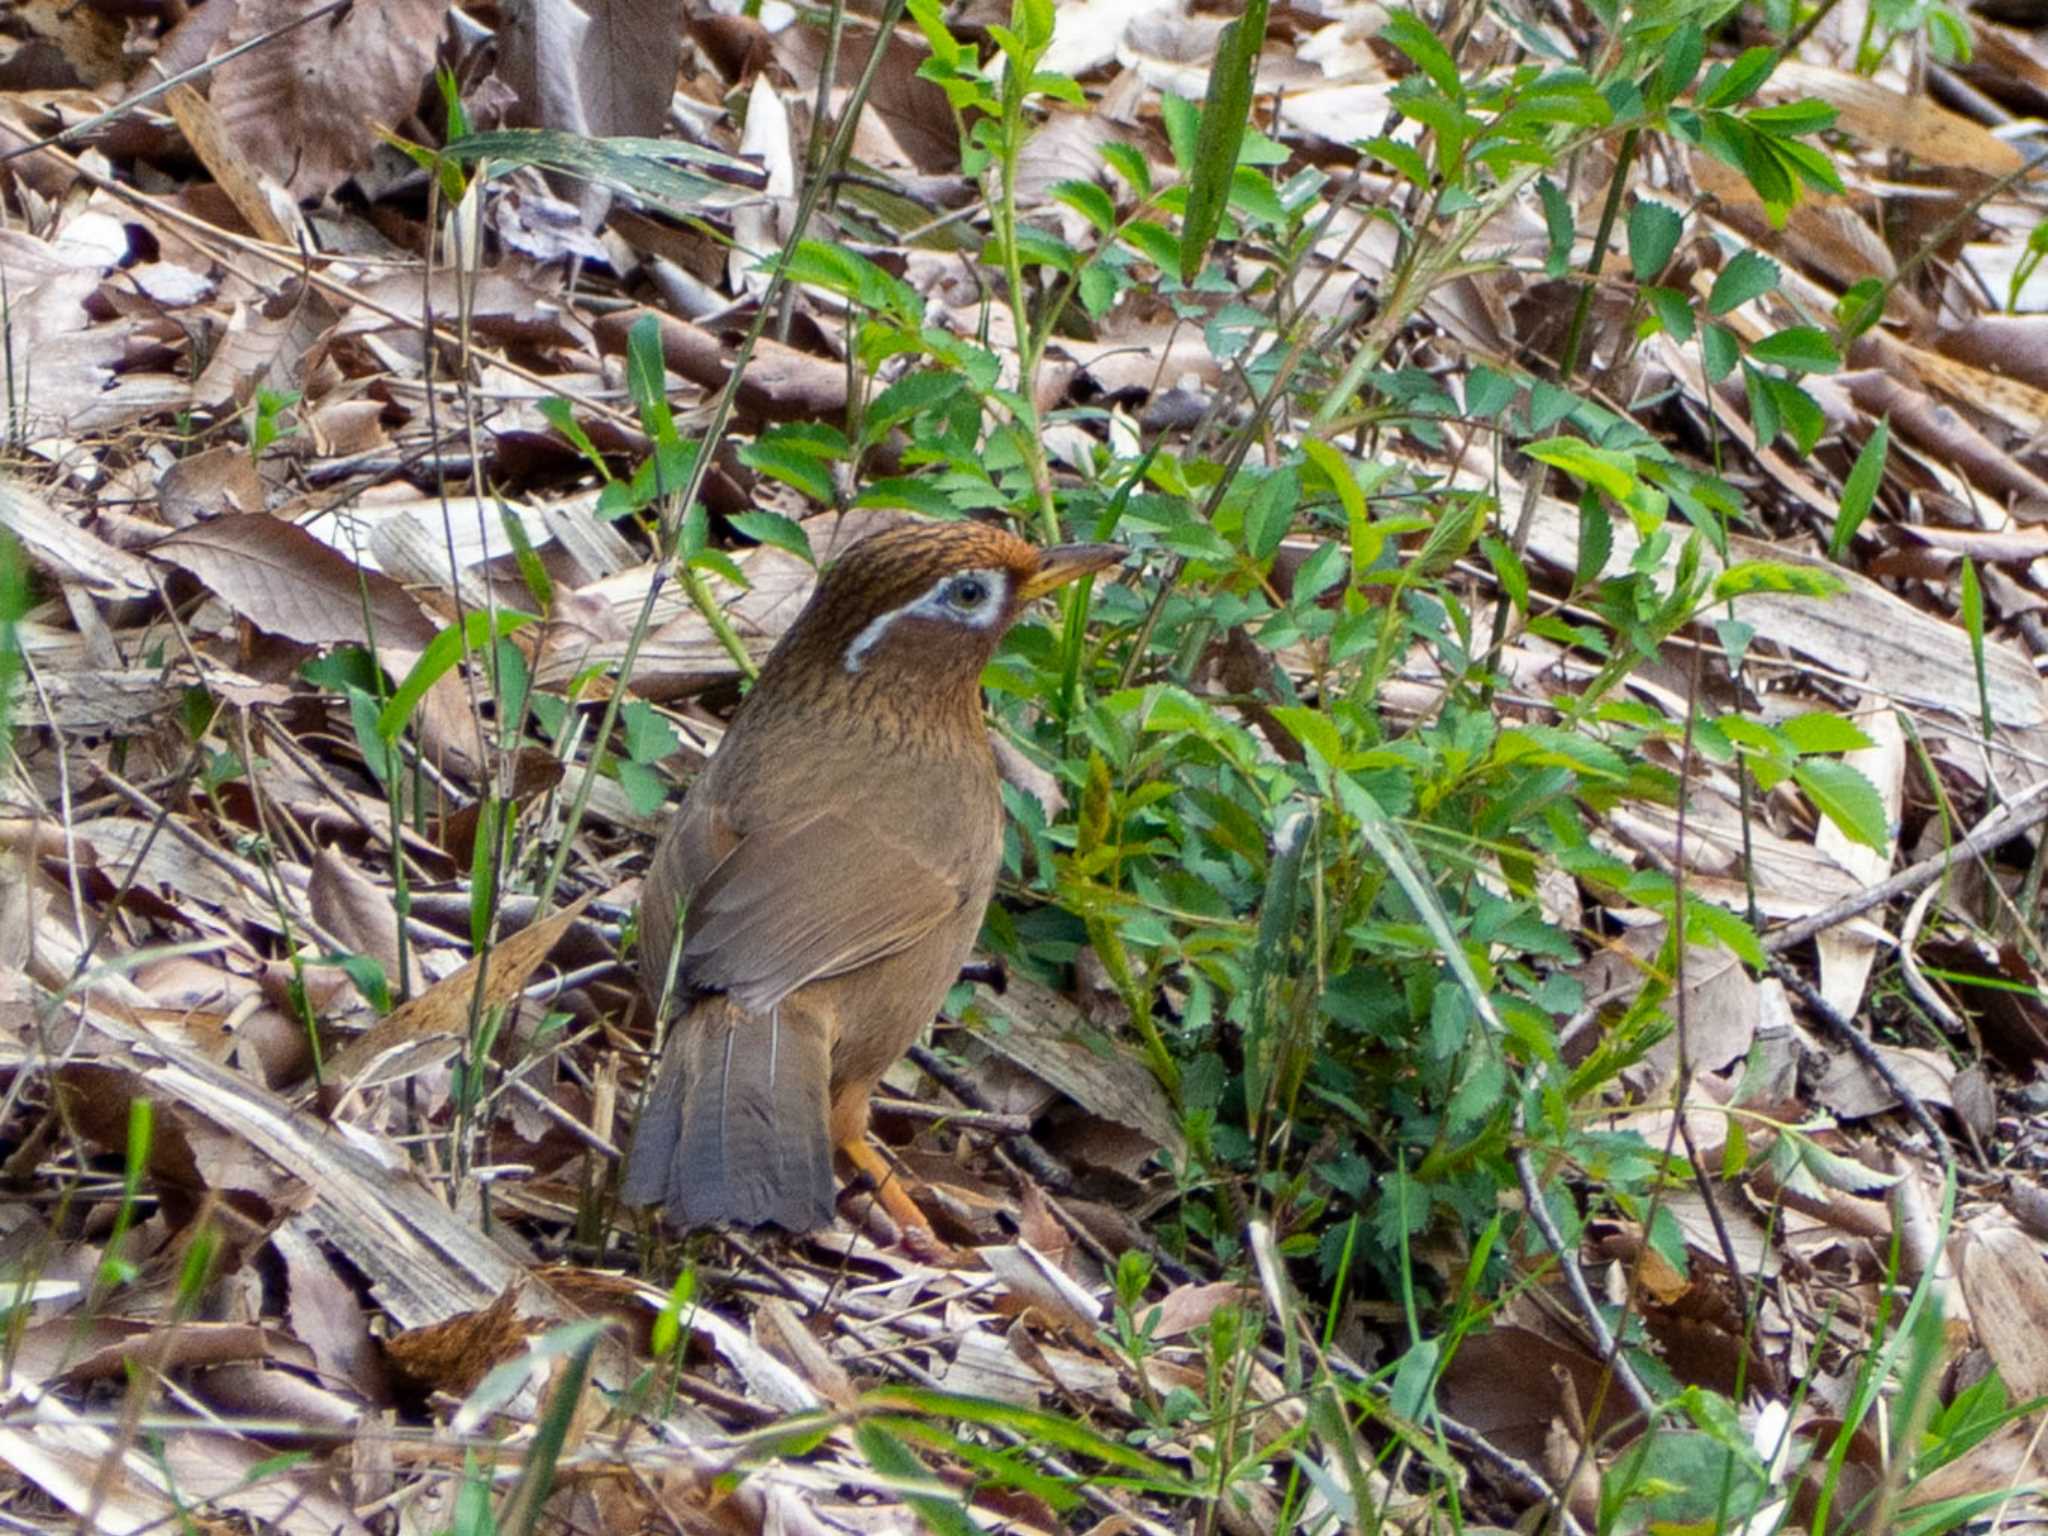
[{"x": 1069, "y": 562}]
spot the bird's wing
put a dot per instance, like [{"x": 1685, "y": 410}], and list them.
[
  {"x": 693, "y": 844},
  {"x": 800, "y": 899}
]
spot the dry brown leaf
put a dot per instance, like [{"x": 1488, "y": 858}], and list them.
[
  {"x": 1034, "y": 1284},
  {"x": 262, "y": 337},
  {"x": 453, "y": 1355},
  {"x": 354, "y": 910},
  {"x": 1187, "y": 1307},
  {"x": 188, "y": 1151},
  {"x": 1851, "y": 1091},
  {"x": 264, "y": 206},
  {"x": 1945, "y": 433},
  {"x": 1879, "y": 116},
  {"x": 2005, "y": 1281},
  {"x": 909, "y": 121},
  {"x": 1047, "y": 1036},
  {"x": 444, "y": 1008},
  {"x": 2012, "y": 546},
  {"x": 1510, "y": 1384},
  {"x": 67, "y": 1459},
  {"x": 87, "y": 38},
  {"x": 280, "y": 578},
  {"x": 305, "y": 109},
  {"x": 59, "y": 545},
  {"x": 209, "y": 484},
  {"x": 508, "y": 307},
  {"x": 780, "y": 382},
  {"x": 162, "y": 1349},
  {"x": 326, "y": 1315},
  {"x": 604, "y": 68},
  {"x": 782, "y": 1333}
]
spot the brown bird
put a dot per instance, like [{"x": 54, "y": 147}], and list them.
[{"x": 831, "y": 866}]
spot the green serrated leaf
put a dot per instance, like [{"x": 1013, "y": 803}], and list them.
[
  {"x": 1654, "y": 230},
  {"x": 1800, "y": 413},
  {"x": 1130, "y": 164},
  {"x": 1400, "y": 157},
  {"x": 1729, "y": 85},
  {"x": 1801, "y": 348},
  {"x": 1412, "y": 35},
  {"x": 1557, "y": 221},
  {"x": 1488, "y": 393},
  {"x": 1509, "y": 571},
  {"x": 1842, "y": 793},
  {"x": 1792, "y": 117},
  {"x": 1764, "y": 415},
  {"x": 1087, "y": 199},
  {"x": 1705, "y": 919},
  {"x": 1314, "y": 730},
  {"x": 1673, "y": 311},
  {"x": 1820, "y": 731},
  {"x": 1608, "y": 471},
  {"x": 1748, "y": 275},
  {"x": 773, "y": 528},
  {"x": 1154, "y": 242},
  {"x": 792, "y": 466},
  {"x": 1720, "y": 351}
]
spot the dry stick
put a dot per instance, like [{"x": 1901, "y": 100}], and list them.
[
  {"x": 210, "y": 238},
  {"x": 205, "y": 67},
  {"x": 2015, "y": 817},
  {"x": 241, "y": 874},
  {"x": 1683, "y": 1088},
  {"x": 1865, "y": 1052},
  {"x": 990, "y": 1122},
  {"x": 1604, "y": 1342},
  {"x": 2010, "y": 820},
  {"x": 1038, "y": 1162}
]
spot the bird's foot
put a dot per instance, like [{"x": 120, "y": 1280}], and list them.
[{"x": 916, "y": 1228}]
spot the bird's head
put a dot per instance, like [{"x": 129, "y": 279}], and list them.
[{"x": 929, "y": 600}]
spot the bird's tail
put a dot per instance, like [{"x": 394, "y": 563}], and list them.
[{"x": 735, "y": 1128}]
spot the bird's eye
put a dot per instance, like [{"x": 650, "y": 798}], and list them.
[{"x": 968, "y": 592}]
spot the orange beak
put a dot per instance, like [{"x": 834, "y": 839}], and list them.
[{"x": 1068, "y": 562}]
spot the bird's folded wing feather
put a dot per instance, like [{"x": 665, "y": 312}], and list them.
[{"x": 811, "y": 897}]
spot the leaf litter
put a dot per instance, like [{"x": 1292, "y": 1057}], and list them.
[{"x": 324, "y": 1300}]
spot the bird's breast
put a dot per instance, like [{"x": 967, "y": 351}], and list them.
[{"x": 946, "y": 807}]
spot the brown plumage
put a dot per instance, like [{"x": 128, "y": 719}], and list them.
[{"x": 832, "y": 863}]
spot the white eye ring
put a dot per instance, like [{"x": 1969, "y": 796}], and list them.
[
  {"x": 970, "y": 598},
  {"x": 969, "y": 592}
]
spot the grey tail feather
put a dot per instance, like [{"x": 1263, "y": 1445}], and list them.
[
  {"x": 649, "y": 1161},
  {"x": 736, "y": 1130}
]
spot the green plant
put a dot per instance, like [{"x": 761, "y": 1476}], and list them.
[
  {"x": 1316, "y": 887},
  {"x": 266, "y": 421}
]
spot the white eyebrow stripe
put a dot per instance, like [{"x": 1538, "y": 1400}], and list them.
[
  {"x": 931, "y": 605},
  {"x": 871, "y": 635}
]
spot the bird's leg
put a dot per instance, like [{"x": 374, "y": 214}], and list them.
[
  {"x": 850, "y": 1135},
  {"x": 888, "y": 1188}
]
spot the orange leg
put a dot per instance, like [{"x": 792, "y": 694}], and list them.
[{"x": 889, "y": 1190}]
